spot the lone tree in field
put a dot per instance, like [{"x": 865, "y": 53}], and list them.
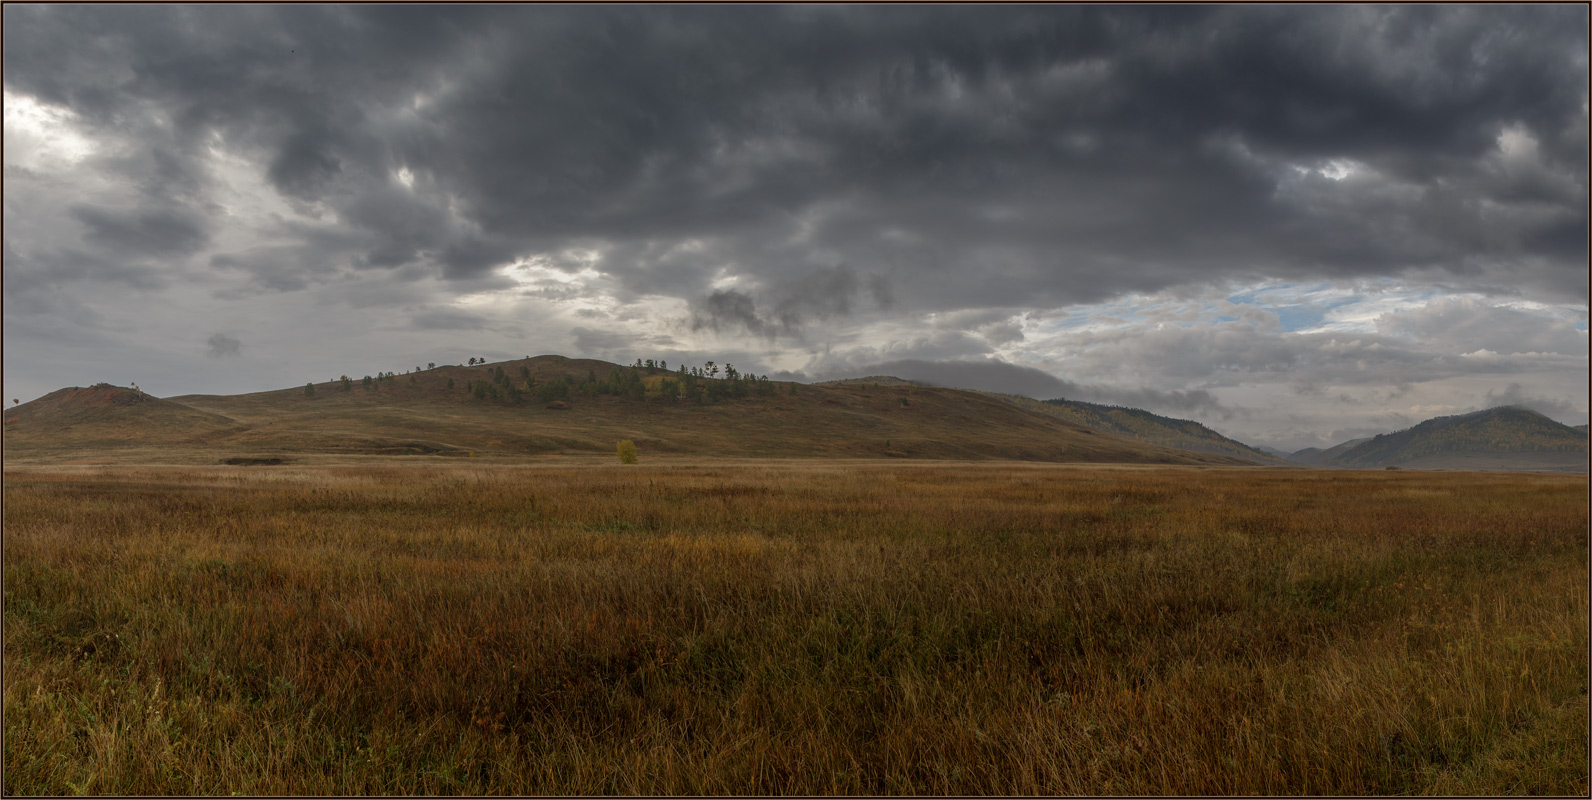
[
  {"x": 627, "y": 452},
  {"x": 309, "y": 390}
]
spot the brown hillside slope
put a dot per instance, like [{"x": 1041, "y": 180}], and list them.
[
  {"x": 420, "y": 414},
  {"x": 105, "y": 416},
  {"x": 1506, "y": 437}
]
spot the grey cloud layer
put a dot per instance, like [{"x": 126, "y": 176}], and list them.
[
  {"x": 998, "y": 376},
  {"x": 852, "y": 185},
  {"x": 221, "y": 345},
  {"x": 981, "y": 156},
  {"x": 819, "y": 294}
]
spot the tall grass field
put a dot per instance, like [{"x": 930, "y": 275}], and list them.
[{"x": 812, "y": 627}]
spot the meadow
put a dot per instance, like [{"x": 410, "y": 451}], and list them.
[{"x": 814, "y": 627}]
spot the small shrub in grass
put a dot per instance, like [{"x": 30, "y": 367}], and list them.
[{"x": 627, "y": 452}]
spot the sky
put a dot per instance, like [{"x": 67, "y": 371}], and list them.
[{"x": 1295, "y": 224}]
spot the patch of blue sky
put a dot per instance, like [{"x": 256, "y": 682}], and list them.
[
  {"x": 1299, "y": 307},
  {"x": 1298, "y": 318},
  {"x": 1272, "y": 295},
  {"x": 1327, "y": 307},
  {"x": 1076, "y": 318}
]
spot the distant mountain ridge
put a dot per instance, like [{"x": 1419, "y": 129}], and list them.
[
  {"x": 1131, "y": 423},
  {"x": 459, "y": 411},
  {"x": 1317, "y": 457},
  {"x": 1144, "y": 426},
  {"x": 551, "y": 405},
  {"x": 1507, "y": 437}
]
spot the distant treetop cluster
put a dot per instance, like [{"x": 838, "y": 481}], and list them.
[{"x": 646, "y": 379}]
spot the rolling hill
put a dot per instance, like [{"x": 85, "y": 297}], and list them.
[
  {"x": 1143, "y": 426},
  {"x": 553, "y": 405},
  {"x": 1507, "y": 437},
  {"x": 1131, "y": 423},
  {"x": 105, "y": 416}
]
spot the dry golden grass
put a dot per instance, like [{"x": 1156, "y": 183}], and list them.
[{"x": 870, "y": 628}]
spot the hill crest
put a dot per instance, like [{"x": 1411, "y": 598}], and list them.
[
  {"x": 1131, "y": 423},
  {"x": 1148, "y": 427},
  {"x": 552, "y": 404},
  {"x": 1510, "y": 437},
  {"x": 105, "y": 415}
]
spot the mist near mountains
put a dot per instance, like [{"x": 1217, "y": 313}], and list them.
[{"x": 998, "y": 376}]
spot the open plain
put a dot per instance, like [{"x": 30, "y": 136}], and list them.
[{"x": 571, "y": 626}]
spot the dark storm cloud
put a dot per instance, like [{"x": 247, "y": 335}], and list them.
[
  {"x": 26, "y": 273},
  {"x": 820, "y": 294},
  {"x": 221, "y": 345},
  {"x": 729, "y": 311},
  {"x": 305, "y": 166},
  {"x": 142, "y": 232},
  {"x": 829, "y": 292},
  {"x": 273, "y": 269},
  {"x": 979, "y": 156}
]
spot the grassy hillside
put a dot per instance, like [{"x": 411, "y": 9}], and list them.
[
  {"x": 871, "y": 380},
  {"x": 1131, "y": 423},
  {"x": 1143, "y": 426},
  {"x": 1504, "y": 431},
  {"x": 552, "y": 404},
  {"x": 105, "y": 416}
]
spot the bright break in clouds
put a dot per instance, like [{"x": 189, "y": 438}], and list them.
[{"x": 1297, "y": 224}]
